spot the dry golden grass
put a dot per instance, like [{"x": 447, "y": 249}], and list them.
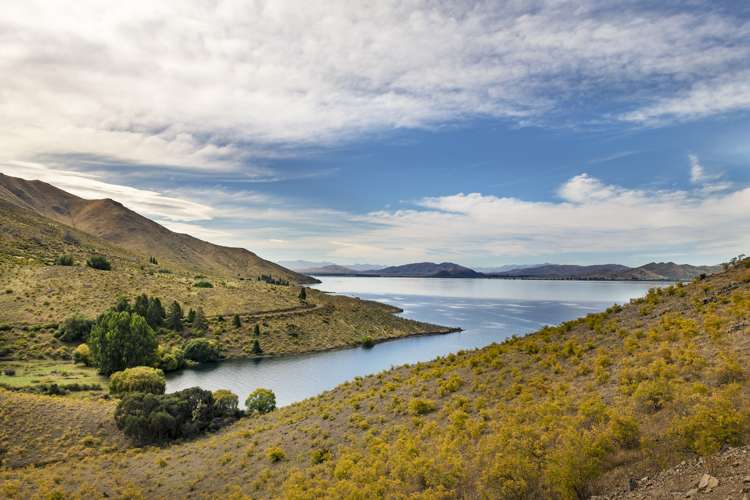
[
  {"x": 564, "y": 412},
  {"x": 42, "y": 429}
]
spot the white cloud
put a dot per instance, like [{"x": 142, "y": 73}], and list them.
[
  {"x": 146, "y": 202},
  {"x": 697, "y": 174},
  {"x": 592, "y": 219},
  {"x": 211, "y": 85},
  {"x": 726, "y": 93}
]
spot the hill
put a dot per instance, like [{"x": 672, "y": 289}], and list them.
[
  {"x": 662, "y": 271},
  {"x": 113, "y": 222},
  {"x": 427, "y": 270},
  {"x": 584, "y": 408},
  {"x": 38, "y": 294},
  {"x": 332, "y": 269}
]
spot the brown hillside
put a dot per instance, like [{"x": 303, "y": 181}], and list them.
[{"x": 115, "y": 223}]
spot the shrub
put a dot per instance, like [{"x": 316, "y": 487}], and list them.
[
  {"x": 275, "y": 454},
  {"x": 9, "y": 372},
  {"x": 203, "y": 284},
  {"x": 120, "y": 340},
  {"x": 64, "y": 260},
  {"x": 201, "y": 350},
  {"x": 261, "y": 401},
  {"x": 146, "y": 417},
  {"x": 319, "y": 456},
  {"x": 651, "y": 395},
  {"x": 368, "y": 343},
  {"x": 710, "y": 425},
  {"x": 82, "y": 354},
  {"x": 256, "y": 349},
  {"x": 302, "y": 294},
  {"x": 419, "y": 406},
  {"x": 170, "y": 360},
  {"x": 728, "y": 371},
  {"x": 138, "y": 379},
  {"x": 75, "y": 328},
  {"x": 99, "y": 262},
  {"x": 236, "y": 321},
  {"x": 227, "y": 403}
]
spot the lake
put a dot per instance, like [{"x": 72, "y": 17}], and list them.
[{"x": 488, "y": 311}]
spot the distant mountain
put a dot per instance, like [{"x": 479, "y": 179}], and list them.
[
  {"x": 116, "y": 224},
  {"x": 508, "y": 267},
  {"x": 653, "y": 271},
  {"x": 428, "y": 270},
  {"x": 305, "y": 266},
  {"x": 330, "y": 269},
  {"x": 558, "y": 271}
]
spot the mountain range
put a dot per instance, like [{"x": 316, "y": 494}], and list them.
[
  {"x": 654, "y": 271},
  {"x": 114, "y": 223}
]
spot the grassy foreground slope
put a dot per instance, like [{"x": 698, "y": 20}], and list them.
[
  {"x": 36, "y": 295},
  {"x": 565, "y": 412}
]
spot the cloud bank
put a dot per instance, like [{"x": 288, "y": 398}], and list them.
[
  {"x": 588, "y": 220},
  {"x": 215, "y": 85}
]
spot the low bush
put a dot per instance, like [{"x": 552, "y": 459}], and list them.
[
  {"x": 170, "y": 360},
  {"x": 82, "y": 354},
  {"x": 421, "y": 406},
  {"x": 148, "y": 418},
  {"x": 275, "y": 454},
  {"x": 651, "y": 395},
  {"x": 75, "y": 328},
  {"x": 99, "y": 262},
  {"x": 64, "y": 260},
  {"x": 137, "y": 379},
  {"x": 203, "y": 284},
  {"x": 201, "y": 350},
  {"x": 261, "y": 401}
]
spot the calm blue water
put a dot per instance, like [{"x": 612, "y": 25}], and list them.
[{"x": 488, "y": 311}]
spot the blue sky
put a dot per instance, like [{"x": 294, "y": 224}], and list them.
[{"x": 474, "y": 132}]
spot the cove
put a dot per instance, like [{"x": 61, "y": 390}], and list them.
[{"x": 488, "y": 311}]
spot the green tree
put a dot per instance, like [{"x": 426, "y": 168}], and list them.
[
  {"x": 200, "y": 323},
  {"x": 174, "y": 317},
  {"x": 302, "y": 294},
  {"x": 155, "y": 312},
  {"x": 261, "y": 401},
  {"x": 82, "y": 354},
  {"x": 120, "y": 340},
  {"x": 138, "y": 379},
  {"x": 122, "y": 304},
  {"x": 256, "y": 347},
  {"x": 226, "y": 402},
  {"x": 256, "y": 330},
  {"x": 140, "y": 306},
  {"x": 74, "y": 328},
  {"x": 236, "y": 321},
  {"x": 190, "y": 316}
]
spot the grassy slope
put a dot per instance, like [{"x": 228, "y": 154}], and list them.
[
  {"x": 564, "y": 412},
  {"x": 115, "y": 223},
  {"x": 36, "y": 295},
  {"x": 42, "y": 429}
]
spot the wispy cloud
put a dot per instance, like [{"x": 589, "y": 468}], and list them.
[{"x": 211, "y": 86}]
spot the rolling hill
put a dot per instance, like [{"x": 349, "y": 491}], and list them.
[{"x": 113, "y": 222}]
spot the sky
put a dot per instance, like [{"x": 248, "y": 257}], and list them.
[{"x": 483, "y": 133}]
